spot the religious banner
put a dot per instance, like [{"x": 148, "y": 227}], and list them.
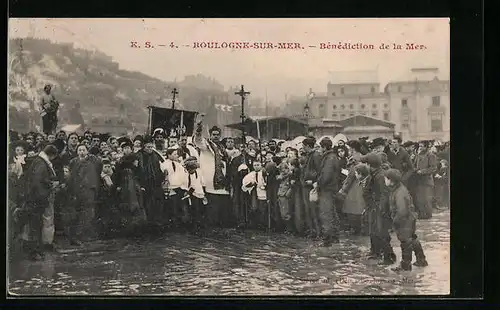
[{"x": 181, "y": 121}]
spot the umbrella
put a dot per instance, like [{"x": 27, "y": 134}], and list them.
[
  {"x": 321, "y": 138},
  {"x": 71, "y": 128},
  {"x": 339, "y": 137},
  {"x": 298, "y": 140},
  {"x": 248, "y": 139}
]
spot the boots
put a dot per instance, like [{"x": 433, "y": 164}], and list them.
[
  {"x": 330, "y": 240},
  {"x": 389, "y": 259},
  {"x": 403, "y": 266},
  {"x": 419, "y": 254},
  {"x": 374, "y": 248}
]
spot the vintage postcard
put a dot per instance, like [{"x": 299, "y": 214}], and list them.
[{"x": 244, "y": 157}]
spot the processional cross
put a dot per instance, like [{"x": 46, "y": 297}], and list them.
[
  {"x": 242, "y": 93},
  {"x": 174, "y": 92}
]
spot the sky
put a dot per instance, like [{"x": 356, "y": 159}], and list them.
[{"x": 278, "y": 72}]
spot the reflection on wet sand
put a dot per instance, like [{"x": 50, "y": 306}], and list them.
[{"x": 233, "y": 263}]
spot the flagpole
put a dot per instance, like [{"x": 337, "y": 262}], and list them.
[{"x": 267, "y": 119}]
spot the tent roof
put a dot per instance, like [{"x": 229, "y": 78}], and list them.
[
  {"x": 367, "y": 128},
  {"x": 71, "y": 127},
  {"x": 255, "y": 119}
]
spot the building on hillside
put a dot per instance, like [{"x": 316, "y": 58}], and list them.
[
  {"x": 112, "y": 125},
  {"x": 420, "y": 104}
]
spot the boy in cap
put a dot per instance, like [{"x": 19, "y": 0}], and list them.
[
  {"x": 378, "y": 145},
  {"x": 254, "y": 183},
  {"x": 176, "y": 175},
  {"x": 376, "y": 199},
  {"x": 195, "y": 200},
  {"x": 404, "y": 221}
]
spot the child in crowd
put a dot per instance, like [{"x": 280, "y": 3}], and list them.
[
  {"x": 105, "y": 215},
  {"x": 284, "y": 196},
  {"x": 175, "y": 176},
  {"x": 130, "y": 210},
  {"x": 254, "y": 184},
  {"x": 194, "y": 196},
  {"x": 354, "y": 203},
  {"x": 404, "y": 221},
  {"x": 442, "y": 184}
]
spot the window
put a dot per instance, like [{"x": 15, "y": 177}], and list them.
[
  {"x": 334, "y": 115},
  {"x": 333, "y": 94},
  {"x": 322, "y": 110},
  {"x": 404, "y": 103},
  {"x": 405, "y": 121},
  {"x": 334, "y": 107},
  {"x": 342, "y": 116},
  {"x": 436, "y": 122},
  {"x": 373, "y": 90},
  {"x": 374, "y": 113},
  {"x": 351, "y": 114},
  {"x": 374, "y": 106},
  {"x": 400, "y": 89},
  {"x": 342, "y": 90},
  {"x": 95, "y": 121},
  {"x": 436, "y": 101},
  {"x": 362, "y": 106},
  {"x": 363, "y": 113},
  {"x": 342, "y": 107},
  {"x": 386, "y": 116},
  {"x": 351, "y": 106},
  {"x": 386, "y": 105}
]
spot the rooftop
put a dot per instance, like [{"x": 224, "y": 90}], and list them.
[{"x": 367, "y": 128}]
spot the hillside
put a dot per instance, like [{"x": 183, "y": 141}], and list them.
[{"x": 89, "y": 79}]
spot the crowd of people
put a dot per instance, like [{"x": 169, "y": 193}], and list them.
[{"x": 82, "y": 187}]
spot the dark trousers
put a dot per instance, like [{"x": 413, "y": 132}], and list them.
[
  {"x": 328, "y": 215},
  {"x": 219, "y": 210},
  {"x": 423, "y": 200},
  {"x": 409, "y": 243},
  {"x": 382, "y": 236},
  {"x": 155, "y": 207},
  {"x": 49, "y": 123},
  {"x": 80, "y": 220},
  {"x": 311, "y": 212},
  {"x": 239, "y": 206},
  {"x": 298, "y": 209},
  {"x": 197, "y": 213},
  {"x": 354, "y": 222},
  {"x": 177, "y": 208},
  {"x": 259, "y": 215},
  {"x": 34, "y": 220}
]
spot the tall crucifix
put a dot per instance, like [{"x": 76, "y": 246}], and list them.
[
  {"x": 174, "y": 92},
  {"x": 242, "y": 93}
]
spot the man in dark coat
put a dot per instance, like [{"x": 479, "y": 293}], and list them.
[
  {"x": 327, "y": 186},
  {"x": 399, "y": 159},
  {"x": 49, "y": 107},
  {"x": 84, "y": 183},
  {"x": 40, "y": 182},
  {"x": 310, "y": 174},
  {"x": 377, "y": 201},
  {"x": 151, "y": 178},
  {"x": 425, "y": 167}
]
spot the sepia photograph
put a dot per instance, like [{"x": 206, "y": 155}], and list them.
[{"x": 228, "y": 157}]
